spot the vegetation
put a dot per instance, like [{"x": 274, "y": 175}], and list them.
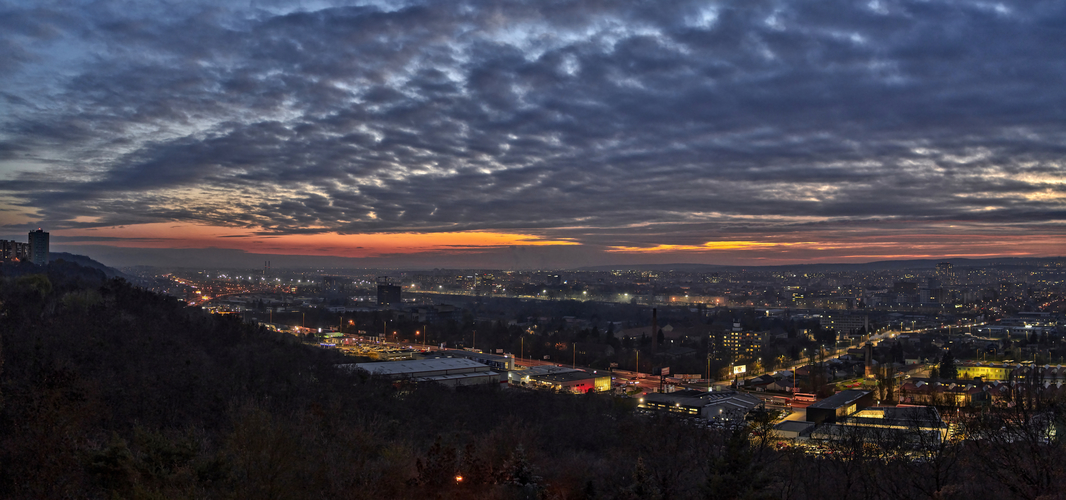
[{"x": 108, "y": 391}]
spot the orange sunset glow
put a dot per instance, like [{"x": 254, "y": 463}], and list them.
[{"x": 167, "y": 235}]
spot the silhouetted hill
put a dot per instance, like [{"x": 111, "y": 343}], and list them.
[{"x": 84, "y": 261}]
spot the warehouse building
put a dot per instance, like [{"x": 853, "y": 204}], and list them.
[
  {"x": 499, "y": 362},
  {"x": 716, "y": 405},
  {"x": 561, "y": 379},
  {"x": 839, "y": 405},
  {"x": 448, "y": 371},
  {"x": 920, "y": 426}
]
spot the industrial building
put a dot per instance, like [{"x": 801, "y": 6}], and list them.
[
  {"x": 839, "y": 405},
  {"x": 919, "y": 425},
  {"x": 850, "y": 414},
  {"x": 447, "y": 371},
  {"x": 561, "y": 379},
  {"x": 499, "y": 362},
  {"x": 715, "y": 405},
  {"x": 792, "y": 429}
]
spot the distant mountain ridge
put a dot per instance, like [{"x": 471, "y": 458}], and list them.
[{"x": 865, "y": 266}]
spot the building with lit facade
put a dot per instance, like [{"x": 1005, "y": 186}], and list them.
[
  {"x": 986, "y": 372},
  {"x": 839, "y": 405},
  {"x": 945, "y": 272},
  {"x": 845, "y": 324},
  {"x": 13, "y": 251},
  {"x": 920, "y": 426},
  {"x": 561, "y": 379},
  {"x": 738, "y": 343}
]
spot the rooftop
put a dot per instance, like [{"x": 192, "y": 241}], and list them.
[
  {"x": 904, "y": 416},
  {"x": 472, "y": 354},
  {"x": 794, "y": 426},
  {"x": 695, "y": 398},
  {"x": 569, "y": 376},
  {"x": 840, "y": 399},
  {"x": 416, "y": 367}
]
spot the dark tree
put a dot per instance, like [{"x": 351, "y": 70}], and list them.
[{"x": 948, "y": 370}]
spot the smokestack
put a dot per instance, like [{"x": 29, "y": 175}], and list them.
[
  {"x": 869, "y": 352},
  {"x": 654, "y": 330}
]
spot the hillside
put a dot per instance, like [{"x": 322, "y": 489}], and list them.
[
  {"x": 84, "y": 261},
  {"x": 109, "y": 391}
]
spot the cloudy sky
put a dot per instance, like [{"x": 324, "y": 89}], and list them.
[{"x": 535, "y": 133}]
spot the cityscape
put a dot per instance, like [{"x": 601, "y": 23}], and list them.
[{"x": 536, "y": 250}]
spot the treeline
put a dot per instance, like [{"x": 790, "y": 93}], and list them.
[{"x": 108, "y": 391}]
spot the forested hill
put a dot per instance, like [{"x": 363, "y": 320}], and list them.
[
  {"x": 84, "y": 261},
  {"x": 108, "y": 391}
]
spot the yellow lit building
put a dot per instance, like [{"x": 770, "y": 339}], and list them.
[{"x": 986, "y": 372}]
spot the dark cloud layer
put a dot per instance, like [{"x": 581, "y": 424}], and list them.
[{"x": 624, "y": 123}]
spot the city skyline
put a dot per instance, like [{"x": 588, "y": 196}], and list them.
[{"x": 535, "y": 134}]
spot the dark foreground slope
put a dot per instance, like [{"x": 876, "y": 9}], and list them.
[{"x": 112, "y": 392}]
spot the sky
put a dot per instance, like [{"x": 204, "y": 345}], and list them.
[{"x": 538, "y": 133}]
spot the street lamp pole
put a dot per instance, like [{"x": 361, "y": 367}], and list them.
[{"x": 708, "y": 372}]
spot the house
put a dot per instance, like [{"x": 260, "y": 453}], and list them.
[
  {"x": 785, "y": 384},
  {"x": 761, "y": 383}
]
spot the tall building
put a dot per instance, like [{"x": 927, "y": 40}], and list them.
[
  {"x": 39, "y": 247},
  {"x": 388, "y": 294},
  {"x": 738, "y": 343},
  {"x": 945, "y": 272}
]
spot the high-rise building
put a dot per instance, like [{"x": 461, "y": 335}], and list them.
[
  {"x": 945, "y": 272},
  {"x": 39, "y": 247},
  {"x": 388, "y": 294},
  {"x": 739, "y": 343}
]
